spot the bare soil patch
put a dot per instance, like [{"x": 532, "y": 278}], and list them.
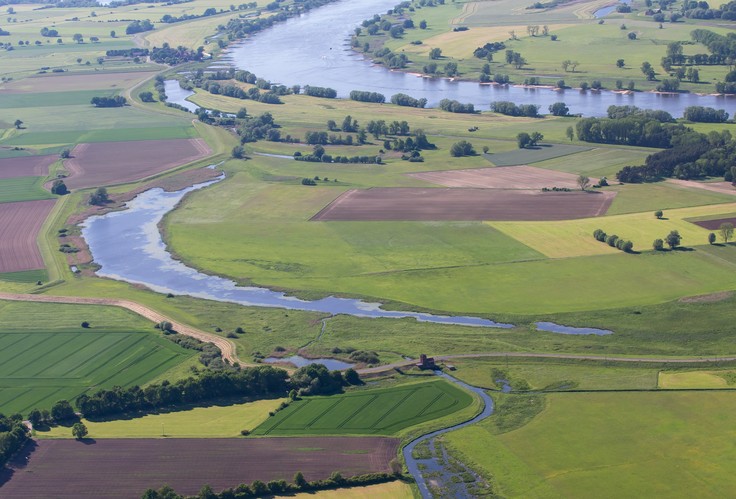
[
  {"x": 125, "y": 468},
  {"x": 65, "y": 83},
  {"x": 505, "y": 177},
  {"x": 26, "y": 166},
  {"x": 715, "y": 224},
  {"x": 722, "y": 187},
  {"x": 710, "y": 298},
  {"x": 463, "y": 204},
  {"x": 20, "y": 224},
  {"x": 108, "y": 163}
]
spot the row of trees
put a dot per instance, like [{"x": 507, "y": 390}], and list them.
[
  {"x": 511, "y": 109},
  {"x": 614, "y": 241},
  {"x": 364, "y": 96},
  {"x": 256, "y": 382},
  {"x": 115, "y": 101},
  {"x": 13, "y": 436},
  {"x": 278, "y": 487},
  {"x": 454, "y": 106}
]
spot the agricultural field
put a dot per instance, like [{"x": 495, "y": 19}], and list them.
[
  {"x": 215, "y": 421},
  {"x": 407, "y": 204},
  {"x": 375, "y": 412},
  {"x": 20, "y": 224},
  {"x": 23, "y": 189},
  {"x": 516, "y": 177},
  {"x": 26, "y": 166},
  {"x": 106, "y": 163},
  {"x": 621, "y": 444},
  {"x": 48, "y": 356},
  {"x": 62, "y": 468}
]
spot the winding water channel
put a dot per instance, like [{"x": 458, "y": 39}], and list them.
[
  {"x": 128, "y": 246},
  {"x": 313, "y": 49},
  {"x": 413, "y": 464}
]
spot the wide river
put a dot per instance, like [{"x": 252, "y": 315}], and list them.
[{"x": 313, "y": 49}]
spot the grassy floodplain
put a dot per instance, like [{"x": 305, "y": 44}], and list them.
[{"x": 609, "y": 445}]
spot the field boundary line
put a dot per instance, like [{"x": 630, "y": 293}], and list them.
[
  {"x": 227, "y": 348},
  {"x": 329, "y": 408},
  {"x": 396, "y": 405},
  {"x": 278, "y": 423}
]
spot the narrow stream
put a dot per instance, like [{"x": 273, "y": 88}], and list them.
[{"x": 414, "y": 464}]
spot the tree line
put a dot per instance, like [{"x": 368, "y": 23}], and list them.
[{"x": 13, "y": 436}]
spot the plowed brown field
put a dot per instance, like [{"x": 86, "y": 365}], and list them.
[
  {"x": 715, "y": 224},
  {"x": 501, "y": 177},
  {"x": 19, "y": 227},
  {"x": 125, "y": 468},
  {"x": 108, "y": 163},
  {"x": 463, "y": 204},
  {"x": 26, "y": 166}
]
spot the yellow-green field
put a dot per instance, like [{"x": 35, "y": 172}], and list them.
[
  {"x": 390, "y": 490},
  {"x": 200, "y": 422},
  {"x": 696, "y": 379}
]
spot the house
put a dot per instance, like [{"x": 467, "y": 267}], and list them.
[{"x": 426, "y": 362}]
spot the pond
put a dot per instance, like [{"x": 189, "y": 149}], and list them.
[
  {"x": 299, "y": 361},
  {"x": 177, "y": 95},
  {"x": 128, "y": 246},
  {"x": 313, "y": 49},
  {"x": 557, "y": 328}
]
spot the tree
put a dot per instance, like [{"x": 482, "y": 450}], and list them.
[
  {"x": 79, "y": 431},
  {"x": 300, "y": 481},
  {"x": 658, "y": 245},
  {"x": 570, "y": 133},
  {"x": 726, "y": 230},
  {"x": 59, "y": 188},
  {"x": 673, "y": 239},
  {"x": 99, "y": 197},
  {"x": 658, "y": 214},
  {"x": 566, "y": 64},
  {"x": 422, "y": 24},
  {"x": 112, "y": 34},
  {"x": 352, "y": 377},
  {"x": 62, "y": 411},
  {"x": 583, "y": 182},
  {"x": 18, "y": 124},
  {"x": 462, "y": 148},
  {"x": 78, "y": 37},
  {"x": 238, "y": 152},
  {"x": 65, "y": 154},
  {"x": 559, "y": 109},
  {"x": 620, "y": 63},
  {"x": 632, "y": 35},
  {"x": 711, "y": 238},
  {"x": 435, "y": 53},
  {"x": 146, "y": 96},
  {"x": 536, "y": 138},
  {"x": 523, "y": 140},
  {"x": 35, "y": 418}
]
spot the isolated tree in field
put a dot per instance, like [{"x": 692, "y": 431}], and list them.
[
  {"x": 79, "y": 431},
  {"x": 18, "y": 124},
  {"x": 99, "y": 197},
  {"x": 238, "y": 152},
  {"x": 435, "y": 53},
  {"x": 673, "y": 239},
  {"x": 112, "y": 34},
  {"x": 65, "y": 154},
  {"x": 711, "y": 238},
  {"x": 146, "y": 96},
  {"x": 78, "y": 37},
  {"x": 658, "y": 245},
  {"x": 422, "y": 24},
  {"x": 523, "y": 140},
  {"x": 566, "y": 64},
  {"x": 59, "y": 188},
  {"x": 462, "y": 148},
  {"x": 536, "y": 138},
  {"x": 570, "y": 133},
  {"x": 620, "y": 63},
  {"x": 658, "y": 214},
  {"x": 726, "y": 230},
  {"x": 583, "y": 182}
]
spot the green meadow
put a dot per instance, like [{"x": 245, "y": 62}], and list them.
[
  {"x": 23, "y": 189},
  {"x": 606, "y": 445}
]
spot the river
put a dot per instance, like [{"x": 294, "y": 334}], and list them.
[{"x": 313, "y": 49}]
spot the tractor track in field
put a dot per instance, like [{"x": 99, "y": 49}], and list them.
[{"x": 226, "y": 347}]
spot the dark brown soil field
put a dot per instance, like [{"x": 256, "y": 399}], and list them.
[
  {"x": 26, "y": 166},
  {"x": 108, "y": 163},
  {"x": 19, "y": 226},
  {"x": 125, "y": 468},
  {"x": 501, "y": 177},
  {"x": 463, "y": 204},
  {"x": 715, "y": 224}
]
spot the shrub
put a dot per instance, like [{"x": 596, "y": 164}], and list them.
[{"x": 658, "y": 245}]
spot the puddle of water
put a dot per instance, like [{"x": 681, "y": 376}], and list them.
[{"x": 557, "y": 328}]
